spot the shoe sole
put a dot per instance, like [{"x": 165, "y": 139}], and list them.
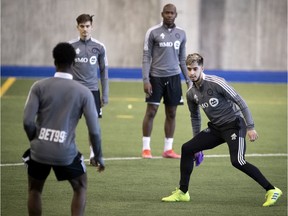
[
  {"x": 171, "y": 157},
  {"x": 147, "y": 157}
]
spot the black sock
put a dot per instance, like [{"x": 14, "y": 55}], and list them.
[
  {"x": 269, "y": 187},
  {"x": 183, "y": 188}
]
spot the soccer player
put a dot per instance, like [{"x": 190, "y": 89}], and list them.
[
  {"x": 164, "y": 51},
  {"x": 51, "y": 114},
  {"x": 90, "y": 56},
  {"x": 225, "y": 110}
]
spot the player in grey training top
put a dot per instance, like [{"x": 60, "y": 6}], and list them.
[
  {"x": 167, "y": 47},
  {"x": 58, "y": 103},
  {"x": 91, "y": 54},
  {"x": 163, "y": 62},
  {"x": 52, "y": 111},
  {"x": 224, "y": 108},
  {"x": 91, "y": 57}
]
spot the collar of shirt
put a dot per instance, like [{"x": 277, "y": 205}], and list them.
[
  {"x": 84, "y": 41},
  {"x": 170, "y": 27},
  {"x": 63, "y": 75},
  {"x": 201, "y": 83}
]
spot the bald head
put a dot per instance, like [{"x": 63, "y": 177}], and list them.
[{"x": 169, "y": 15}]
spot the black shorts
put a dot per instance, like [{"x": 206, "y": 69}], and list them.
[
  {"x": 169, "y": 88},
  {"x": 41, "y": 171},
  {"x": 97, "y": 100}
]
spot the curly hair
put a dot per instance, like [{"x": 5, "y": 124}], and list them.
[{"x": 64, "y": 54}]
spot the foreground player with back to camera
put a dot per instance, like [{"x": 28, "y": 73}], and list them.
[
  {"x": 51, "y": 114},
  {"x": 224, "y": 108},
  {"x": 91, "y": 55}
]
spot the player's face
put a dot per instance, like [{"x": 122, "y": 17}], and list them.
[
  {"x": 169, "y": 15},
  {"x": 85, "y": 30},
  {"x": 194, "y": 71}
]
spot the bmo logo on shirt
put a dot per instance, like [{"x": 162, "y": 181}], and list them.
[
  {"x": 213, "y": 102},
  {"x": 170, "y": 44},
  {"x": 166, "y": 44},
  {"x": 177, "y": 45},
  {"x": 92, "y": 60}
]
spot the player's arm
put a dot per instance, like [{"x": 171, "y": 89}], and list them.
[
  {"x": 92, "y": 122},
  {"x": 196, "y": 124},
  {"x": 182, "y": 62},
  {"x": 30, "y": 112},
  {"x": 103, "y": 67},
  {"x": 230, "y": 93},
  {"x": 146, "y": 62},
  {"x": 195, "y": 115}
]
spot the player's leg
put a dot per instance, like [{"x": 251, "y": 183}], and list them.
[
  {"x": 35, "y": 188},
  {"x": 172, "y": 98},
  {"x": 153, "y": 102},
  {"x": 235, "y": 138},
  {"x": 37, "y": 174},
  {"x": 75, "y": 173},
  {"x": 98, "y": 104},
  {"x": 169, "y": 129},
  {"x": 147, "y": 127},
  {"x": 150, "y": 114},
  {"x": 202, "y": 141},
  {"x": 79, "y": 185}
]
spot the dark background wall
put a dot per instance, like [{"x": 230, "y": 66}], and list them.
[{"x": 230, "y": 34}]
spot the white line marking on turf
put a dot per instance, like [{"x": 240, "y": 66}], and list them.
[{"x": 159, "y": 157}]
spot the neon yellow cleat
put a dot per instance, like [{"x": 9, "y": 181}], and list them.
[
  {"x": 177, "y": 196},
  {"x": 272, "y": 196}
]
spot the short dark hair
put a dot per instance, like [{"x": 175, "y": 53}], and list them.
[
  {"x": 64, "y": 54},
  {"x": 195, "y": 57},
  {"x": 84, "y": 18}
]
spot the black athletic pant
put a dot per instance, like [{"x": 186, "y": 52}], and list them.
[{"x": 234, "y": 134}]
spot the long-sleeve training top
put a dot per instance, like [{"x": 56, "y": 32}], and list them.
[
  {"x": 91, "y": 55},
  {"x": 220, "y": 102},
  {"x": 52, "y": 111},
  {"x": 164, "y": 51}
]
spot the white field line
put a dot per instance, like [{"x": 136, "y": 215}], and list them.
[{"x": 159, "y": 157}]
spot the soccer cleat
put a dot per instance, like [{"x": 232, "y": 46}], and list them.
[
  {"x": 146, "y": 154},
  {"x": 272, "y": 196},
  {"x": 170, "y": 154},
  {"x": 177, "y": 196}
]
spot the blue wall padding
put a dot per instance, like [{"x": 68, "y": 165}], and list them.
[{"x": 135, "y": 73}]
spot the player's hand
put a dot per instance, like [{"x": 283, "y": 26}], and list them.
[
  {"x": 252, "y": 134},
  {"x": 99, "y": 163},
  {"x": 198, "y": 157},
  {"x": 148, "y": 88}
]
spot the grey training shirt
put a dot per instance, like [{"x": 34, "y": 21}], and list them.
[
  {"x": 164, "y": 51},
  {"x": 220, "y": 102},
  {"x": 52, "y": 111},
  {"x": 91, "y": 55}
]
